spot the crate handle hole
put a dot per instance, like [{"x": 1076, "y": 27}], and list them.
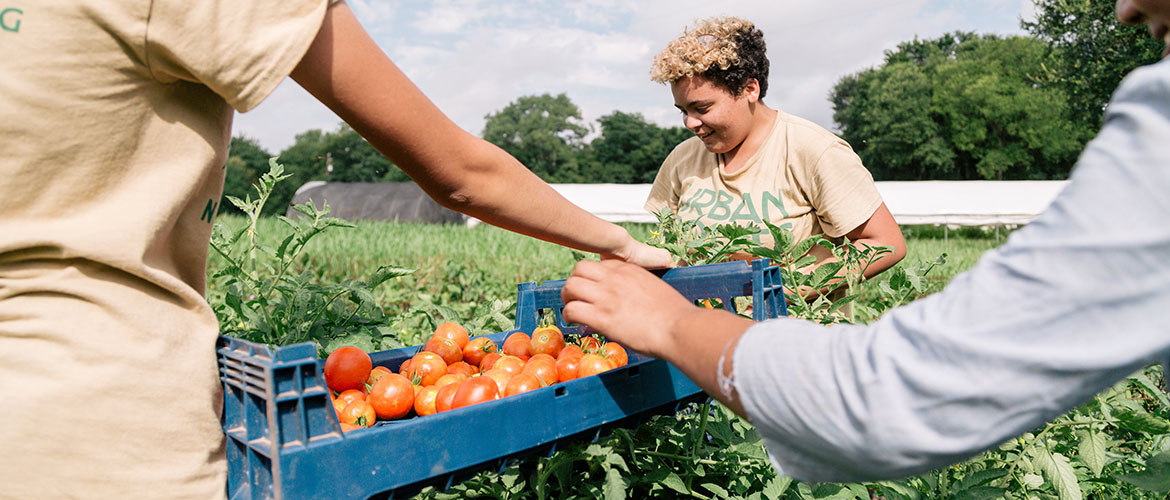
[
  {"x": 633, "y": 371},
  {"x": 560, "y": 391}
]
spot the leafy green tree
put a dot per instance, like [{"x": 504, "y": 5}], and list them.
[
  {"x": 962, "y": 106},
  {"x": 1091, "y": 52},
  {"x": 630, "y": 150},
  {"x": 353, "y": 159},
  {"x": 246, "y": 162},
  {"x": 543, "y": 132}
]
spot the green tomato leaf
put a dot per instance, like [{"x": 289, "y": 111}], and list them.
[
  {"x": 1156, "y": 477},
  {"x": 1091, "y": 448},
  {"x": 1059, "y": 472},
  {"x": 615, "y": 486}
]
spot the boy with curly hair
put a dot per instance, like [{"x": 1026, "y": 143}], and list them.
[{"x": 750, "y": 163}]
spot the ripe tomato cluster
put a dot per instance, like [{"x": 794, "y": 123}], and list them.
[{"x": 453, "y": 370}]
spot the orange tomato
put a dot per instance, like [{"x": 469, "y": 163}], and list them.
[
  {"x": 359, "y": 413},
  {"x": 425, "y": 368},
  {"x": 500, "y": 376},
  {"x": 445, "y": 348},
  {"x": 376, "y": 374},
  {"x": 462, "y": 367},
  {"x": 510, "y": 364},
  {"x": 350, "y": 427},
  {"x": 351, "y": 395},
  {"x": 424, "y": 401},
  {"x": 542, "y": 358},
  {"x": 567, "y": 368},
  {"x": 522, "y": 383},
  {"x": 570, "y": 350},
  {"x": 474, "y": 391},
  {"x": 452, "y": 330},
  {"x": 339, "y": 405},
  {"x": 404, "y": 369},
  {"x": 347, "y": 368},
  {"x": 392, "y": 396},
  {"x": 517, "y": 344},
  {"x": 615, "y": 353},
  {"x": 546, "y": 371},
  {"x": 444, "y": 397},
  {"x": 592, "y": 364},
  {"x": 547, "y": 340},
  {"x": 476, "y": 349},
  {"x": 489, "y": 361},
  {"x": 451, "y": 378}
]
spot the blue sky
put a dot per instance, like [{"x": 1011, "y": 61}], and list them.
[{"x": 473, "y": 57}]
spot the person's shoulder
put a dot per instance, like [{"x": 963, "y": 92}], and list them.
[
  {"x": 1152, "y": 78},
  {"x": 806, "y": 132},
  {"x": 686, "y": 152}
]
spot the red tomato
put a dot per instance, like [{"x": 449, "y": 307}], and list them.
[
  {"x": 359, "y": 413},
  {"x": 339, "y": 405},
  {"x": 547, "y": 340},
  {"x": 392, "y": 396},
  {"x": 518, "y": 344},
  {"x": 462, "y": 367},
  {"x": 347, "y": 368},
  {"x": 404, "y": 369},
  {"x": 445, "y": 396},
  {"x": 425, "y": 368},
  {"x": 452, "y": 330},
  {"x": 376, "y": 374},
  {"x": 489, "y": 361},
  {"x": 500, "y": 376},
  {"x": 350, "y": 427},
  {"x": 570, "y": 350},
  {"x": 510, "y": 364},
  {"x": 592, "y": 364},
  {"x": 451, "y": 378},
  {"x": 521, "y": 383},
  {"x": 615, "y": 353},
  {"x": 476, "y": 349},
  {"x": 589, "y": 344},
  {"x": 474, "y": 391},
  {"x": 445, "y": 348},
  {"x": 546, "y": 371},
  {"x": 424, "y": 401},
  {"x": 567, "y": 368}
]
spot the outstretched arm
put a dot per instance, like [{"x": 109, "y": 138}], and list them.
[{"x": 350, "y": 74}]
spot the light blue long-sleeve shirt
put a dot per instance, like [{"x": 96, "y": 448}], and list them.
[{"x": 1068, "y": 306}]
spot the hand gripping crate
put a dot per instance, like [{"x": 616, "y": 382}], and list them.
[{"x": 284, "y": 440}]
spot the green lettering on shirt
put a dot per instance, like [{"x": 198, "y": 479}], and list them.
[
  {"x": 747, "y": 211},
  {"x": 10, "y": 19},
  {"x": 209, "y": 211},
  {"x": 696, "y": 204},
  {"x": 766, "y": 199},
  {"x": 722, "y": 208}
]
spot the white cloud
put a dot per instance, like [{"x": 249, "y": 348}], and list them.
[{"x": 473, "y": 58}]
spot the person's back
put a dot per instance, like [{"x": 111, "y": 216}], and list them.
[{"x": 115, "y": 121}]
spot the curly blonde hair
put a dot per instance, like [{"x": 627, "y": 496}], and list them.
[{"x": 726, "y": 50}]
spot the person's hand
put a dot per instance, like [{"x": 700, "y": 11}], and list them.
[
  {"x": 642, "y": 255},
  {"x": 625, "y": 303}
]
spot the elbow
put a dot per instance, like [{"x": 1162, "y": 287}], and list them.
[{"x": 465, "y": 178}]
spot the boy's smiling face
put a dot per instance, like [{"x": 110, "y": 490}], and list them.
[{"x": 1153, "y": 13}]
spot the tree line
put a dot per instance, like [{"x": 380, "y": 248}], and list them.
[{"x": 963, "y": 106}]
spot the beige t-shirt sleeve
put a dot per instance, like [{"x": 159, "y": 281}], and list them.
[
  {"x": 664, "y": 193},
  {"x": 842, "y": 190},
  {"x": 241, "y": 50}
]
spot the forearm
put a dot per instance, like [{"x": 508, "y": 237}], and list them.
[{"x": 699, "y": 340}]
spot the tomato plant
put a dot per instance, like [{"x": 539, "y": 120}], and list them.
[{"x": 347, "y": 368}]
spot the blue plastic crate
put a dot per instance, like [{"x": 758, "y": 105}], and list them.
[{"x": 284, "y": 440}]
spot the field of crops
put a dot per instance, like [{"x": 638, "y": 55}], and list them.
[{"x": 470, "y": 275}]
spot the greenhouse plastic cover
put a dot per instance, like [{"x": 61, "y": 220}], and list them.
[{"x": 955, "y": 203}]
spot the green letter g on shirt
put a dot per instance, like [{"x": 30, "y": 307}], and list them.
[{"x": 10, "y": 19}]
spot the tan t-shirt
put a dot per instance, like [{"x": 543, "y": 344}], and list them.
[
  {"x": 115, "y": 121},
  {"x": 803, "y": 178}
]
